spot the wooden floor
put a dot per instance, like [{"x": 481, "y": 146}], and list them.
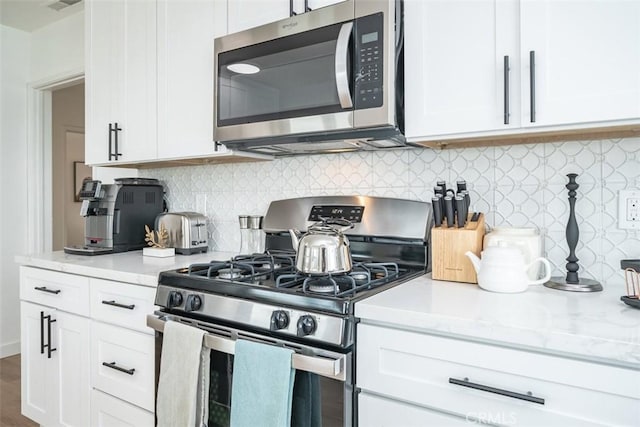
[{"x": 10, "y": 415}]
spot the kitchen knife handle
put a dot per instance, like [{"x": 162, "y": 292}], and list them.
[
  {"x": 437, "y": 211},
  {"x": 459, "y": 201},
  {"x": 448, "y": 209},
  {"x": 532, "y": 84},
  {"x": 461, "y": 185},
  {"x": 506, "y": 89}
]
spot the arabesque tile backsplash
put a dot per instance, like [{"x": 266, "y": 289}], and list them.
[{"x": 520, "y": 185}]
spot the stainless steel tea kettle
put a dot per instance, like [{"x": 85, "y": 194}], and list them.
[{"x": 324, "y": 249}]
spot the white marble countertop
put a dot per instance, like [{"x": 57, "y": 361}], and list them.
[
  {"x": 130, "y": 267},
  {"x": 593, "y": 326}
]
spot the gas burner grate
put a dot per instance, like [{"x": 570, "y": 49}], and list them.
[{"x": 362, "y": 276}]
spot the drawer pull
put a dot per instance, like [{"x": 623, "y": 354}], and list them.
[
  {"x": 528, "y": 397},
  {"x": 113, "y": 365},
  {"x": 44, "y": 289},
  {"x": 115, "y": 304}
]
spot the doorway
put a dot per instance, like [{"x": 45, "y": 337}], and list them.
[{"x": 67, "y": 165}]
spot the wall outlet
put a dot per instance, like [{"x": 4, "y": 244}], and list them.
[{"x": 629, "y": 209}]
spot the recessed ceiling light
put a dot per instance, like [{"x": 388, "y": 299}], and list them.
[{"x": 242, "y": 68}]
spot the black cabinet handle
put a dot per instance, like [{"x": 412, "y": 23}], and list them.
[
  {"x": 42, "y": 332},
  {"x": 45, "y": 289},
  {"x": 291, "y": 11},
  {"x": 466, "y": 383},
  {"x": 115, "y": 304},
  {"x": 110, "y": 142},
  {"x": 116, "y": 129},
  {"x": 113, "y": 365},
  {"x": 306, "y": 6},
  {"x": 532, "y": 84},
  {"x": 506, "y": 89},
  {"x": 48, "y": 345}
]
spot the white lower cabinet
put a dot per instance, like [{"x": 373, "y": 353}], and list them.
[
  {"x": 107, "y": 411},
  {"x": 485, "y": 383},
  {"x": 55, "y": 363},
  {"x": 88, "y": 358},
  {"x": 377, "y": 411}
]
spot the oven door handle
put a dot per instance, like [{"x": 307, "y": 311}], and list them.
[{"x": 327, "y": 367}]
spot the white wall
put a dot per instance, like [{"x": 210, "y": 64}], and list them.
[
  {"x": 58, "y": 49},
  {"x": 14, "y": 75}
]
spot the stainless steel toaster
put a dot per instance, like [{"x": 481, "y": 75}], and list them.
[{"x": 187, "y": 231}]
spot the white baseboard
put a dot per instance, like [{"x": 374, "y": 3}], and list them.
[{"x": 9, "y": 349}]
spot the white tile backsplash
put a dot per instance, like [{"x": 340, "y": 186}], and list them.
[{"x": 520, "y": 185}]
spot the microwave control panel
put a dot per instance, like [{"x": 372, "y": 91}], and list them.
[{"x": 369, "y": 53}]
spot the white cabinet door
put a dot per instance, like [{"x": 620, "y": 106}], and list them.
[
  {"x": 454, "y": 66},
  {"x": 121, "y": 80},
  {"x": 244, "y": 14},
  {"x": 104, "y": 75},
  {"x": 71, "y": 342},
  {"x": 587, "y": 60},
  {"x": 55, "y": 385},
  {"x": 317, "y": 4},
  {"x": 376, "y": 411},
  {"x": 38, "y": 376},
  {"x": 186, "y": 30}
]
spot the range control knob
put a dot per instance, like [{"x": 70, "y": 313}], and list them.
[
  {"x": 193, "y": 303},
  {"x": 279, "y": 320},
  {"x": 174, "y": 299},
  {"x": 306, "y": 325}
]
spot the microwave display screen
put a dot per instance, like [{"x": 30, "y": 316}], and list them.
[{"x": 369, "y": 37}]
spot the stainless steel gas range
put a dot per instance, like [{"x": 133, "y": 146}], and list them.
[{"x": 263, "y": 297}]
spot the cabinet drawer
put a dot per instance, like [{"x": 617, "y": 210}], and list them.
[
  {"x": 418, "y": 368},
  {"x": 376, "y": 411},
  {"x": 107, "y": 411},
  {"x": 122, "y": 304},
  {"x": 63, "y": 291},
  {"x": 122, "y": 364}
]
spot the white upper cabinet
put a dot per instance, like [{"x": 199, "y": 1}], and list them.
[
  {"x": 454, "y": 65},
  {"x": 587, "y": 60},
  {"x": 317, "y": 4},
  {"x": 459, "y": 84},
  {"x": 244, "y": 14},
  {"x": 186, "y": 30},
  {"x": 120, "y": 95}
]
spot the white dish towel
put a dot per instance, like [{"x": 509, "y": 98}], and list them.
[{"x": 183, "y": 386}]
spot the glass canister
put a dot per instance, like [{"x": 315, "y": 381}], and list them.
[
  {"x": 245, "y": 235},
  {"x": 257, "y": 237}
]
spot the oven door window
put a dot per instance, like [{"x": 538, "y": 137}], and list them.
[
  {"x": 293, "y": 76},
  {"x": 317, "y": 401}
]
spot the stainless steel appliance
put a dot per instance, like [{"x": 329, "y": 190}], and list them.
[
  {"x": 263, "y": 297},
  {"x": 115, "y": 214},
  {"x": 187, "y": 231},
  {"x": 330, "y": 79}
]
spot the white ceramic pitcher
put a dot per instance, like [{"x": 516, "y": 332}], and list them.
[{"x": 503, "y": 269}]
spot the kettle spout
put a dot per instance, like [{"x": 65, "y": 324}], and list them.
[
  {"x": 295, "y": 238},
  {"x": 474, "y": 260}
]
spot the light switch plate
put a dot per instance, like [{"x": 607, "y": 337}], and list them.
[{"x": 629, "y": 209}]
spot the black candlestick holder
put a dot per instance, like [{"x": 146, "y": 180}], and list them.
[{"x": 571, "y": 282}]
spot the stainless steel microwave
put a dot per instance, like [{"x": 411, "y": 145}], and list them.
[{"x": 330, "y": 79}]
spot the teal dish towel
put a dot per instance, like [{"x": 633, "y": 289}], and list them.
[{"x": 262, "y": 387}]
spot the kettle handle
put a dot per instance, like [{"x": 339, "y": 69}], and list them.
[{"x": 547, "y": 274}]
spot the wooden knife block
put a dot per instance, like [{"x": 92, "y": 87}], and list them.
[{"x": 449, "y": 245}]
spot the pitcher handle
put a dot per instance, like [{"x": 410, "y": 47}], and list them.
[{"x": 547, "y": 274}]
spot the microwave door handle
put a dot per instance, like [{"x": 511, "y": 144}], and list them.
[{"x": 342, "y": 74}]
